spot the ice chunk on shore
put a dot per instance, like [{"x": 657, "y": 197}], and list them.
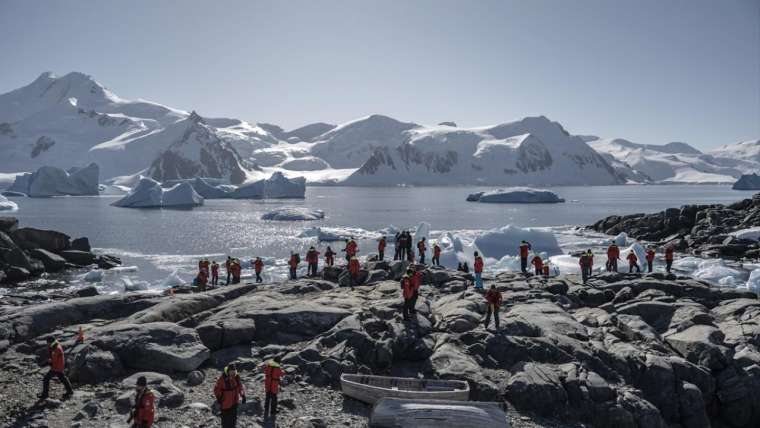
[
  {"x": 423, "y": 231},
  {"x": 717, "y": 271},
  {"x": 149, "y": 194},
  {"x": 516, "y": 195},
  {"x": 173, "y": 280},
  {"x": 331, "y": 234},
  {"x": 753, "y": 283},
  {"x": 6, "y": 205},
  {"x": 294, "y": 214},
  {"x": 497, "y": 243},
  {"x": 275, "y": 187},
  {"x": 752, "y": 234}
]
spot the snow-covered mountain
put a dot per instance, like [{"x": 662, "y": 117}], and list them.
[
  {"x": 675, "y": 162},
  {"x": 531, "y": 151},
  {"x": 73, "y": 120}
]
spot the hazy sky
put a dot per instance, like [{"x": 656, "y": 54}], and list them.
[{"x": 650, "y": 71}]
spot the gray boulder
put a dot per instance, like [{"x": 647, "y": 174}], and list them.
[
  {"x": 52, "y": 262},
  {"x": 702, "y": 345}
]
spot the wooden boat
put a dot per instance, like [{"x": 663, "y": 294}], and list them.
[
  {"x": 370, "y": 389},
  {"x": 402, "y": 413}
]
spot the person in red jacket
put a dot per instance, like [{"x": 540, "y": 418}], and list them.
[
  {"x": 669, "y": 257},
  {"x": 312, "y": 258},
  {"x": 524, "y": 250},
  {"x": 329, "y": 256},
  {"x": 538, "y": 264},
  {"x": 201, "y": 280},
  {"x": 421, "y": 248},
  {"x": 633, "y": 262},
  {"x": 145, "y": 410},
  {"x": 613, "y": 255},
  {"x": 436, "y": 255},
  {"x": 351, "y": 249},
  {"x": 228, "y": 269},
  {"x": 353, "y": 271},
  {"x": 57, "y": 362},
  {"x": 650, "y": 258},
  {"x": 229, "y": 391},
  {"x": 235, "y": 270},
  {"x": 214, "y": 273},
  {"x": 272, "y": 376},
  {"x": 407, "y": 291},
  {"x": 381, "y": 249},
  {"x": 416, "y": 284},
  {"x": 478, "y": 268},
  {"x": 258, "y": 266},
  {"x": 493, "y": 300},
  {"x": 293, "y": 264}
]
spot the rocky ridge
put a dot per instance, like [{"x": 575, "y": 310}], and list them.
[
  {"x": 625, "y": 350},
  {"x": 705, "y": 230}
]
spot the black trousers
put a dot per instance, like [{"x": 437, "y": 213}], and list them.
[
  {"x": 524, "y": 264},
  {"x": 649, "y": 266},
  {"x": 270, "y": 404},
  {"x": 612, "y": 265},
  {"x": 61, "y": 377},
  {"x": 422, "y": 258},
  {"x": 538, "y": 271},
  {"x": 495, "y": 316},
  {"x": 229, "y": 417},
  {"x": 436, "y": 260},
  {"x": 293, "y": 273},
  {"x": 229, "y": 274},
  {"x": 668, "y": 265},
  {"x": 381, "y": 255},
  {"x": 585, "y": 273},
  {"x": 631, "y": 266},
  {"x": 258, "y": 277},
  {"x": 313, "y": 267},
  {"x": 414, "y": 303},
  {"x": 408, "y": 308}
]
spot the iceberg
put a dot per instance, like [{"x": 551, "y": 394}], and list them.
[
  {"x": 51, "y": 181},
  {"x": 6, "y": 205},
  {"x": 423, "y": 231},
  {"x": 497, "y": 243},
  {"x": 516, "y": 195},
  {"x": 747, "y": 182},
  {"x": 294, "y": 214},
  {"x": 149, "y": 194},
  {"x": 275, "y": 187},
  {"x": 208, "y": 190}
]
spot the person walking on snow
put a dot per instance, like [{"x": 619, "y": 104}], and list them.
[
  {"x": 632, "y": 262},
  {"x": 669, "y": 257},
  {"x": 421, "y": 248},
  {"x": 144, "y": 412},
  {"x": 493, "y": 300},
  {"x": 272, "y": 383},
  {"x": 538, "y": 264},
  {"x": 312, "y": 258},
  {"x": 353, "y": 272},
  {"x": 436, "y": 255},
  {"x": 650, "y": 258},
  {"x": 329, "y": 257},
  {"x": 293, "y": 264},
  {"x": 229, "y": 391},
  {"x": 407, "y": 292},
  {"x": 524, "y": 251},
  {"x": 478, "y": 271},
  {"x": 613, "y": 255},
  {"x": 258, "y": 266},
  {"x": 57, "y": 362},
  {"x": 214, "y": 273},
  {"x": 381, "y": 249}
]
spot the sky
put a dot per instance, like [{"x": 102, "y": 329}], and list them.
[{"x": 650, "y": 71}]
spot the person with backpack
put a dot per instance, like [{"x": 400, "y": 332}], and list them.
[
  {"x": 633, "y": 262},
  {"x": 493, "y": 302},
  {"x": 436, "y": 255},
  {"x": 669, "y": 252},
  {"x": 421, "y": 248},
  {"x": 258, "y": 266},
  {"x": 214, "y": 273},
  {"x": 229, "y": 392},
  {"x": 144, "y": 412},
  {"x": 57, "y": 362},
  {"x": 478, "y": 271},
  {"x": 353, "y": 271},
  {"x": 650, "y": 258},
  {"x": 397, "y": 247},
  {"x": 312, "y": 258},
  {"x": 273, "y": 374},
  {"x": 329, "y": 256},
  {"x": 538, "y": 264},
  {"x": 295, "y": 259},
  {"x": 381, "y": 249},
  {"x": 613, "y": 255},
  {"x": 524, "y": 252},
  {"x": 407, "y": 292}
]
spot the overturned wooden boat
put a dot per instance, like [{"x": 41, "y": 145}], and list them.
[
  {"x": 404, "y": 413},
  {"x": 370, "y": 389}
]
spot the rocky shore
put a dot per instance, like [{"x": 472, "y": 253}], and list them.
[
  {"x": 705, "y": 230},
  {"x": 27, "y": 253},
  {"x": 624, "y": 350}
]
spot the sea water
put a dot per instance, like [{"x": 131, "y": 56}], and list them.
[{"x": 154, "y": 243}]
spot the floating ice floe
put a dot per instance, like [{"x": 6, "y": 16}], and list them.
[
  {"x": 294, "y": 214},
  {"x": 497, "y": 243},
  {"x": 6, "y": 205},
  {"x": 149, "y": 194},
  {"x": 331, "y": 234},
  {"x": 516, "y": 195}
]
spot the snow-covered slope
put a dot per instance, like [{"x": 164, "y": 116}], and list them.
[
  {"x": 745, "y": 151},
  {"x": 531, "y": 151},
  {"x": 673, "y": 162}
]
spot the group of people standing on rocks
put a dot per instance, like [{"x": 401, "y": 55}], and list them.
[
  {"x": 586, "y": 260},
  {"x": 210, "y": 269},
  {"x": 229, "y": 390}
]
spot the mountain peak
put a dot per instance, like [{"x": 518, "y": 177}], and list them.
[{"x": 195, "y": 117}]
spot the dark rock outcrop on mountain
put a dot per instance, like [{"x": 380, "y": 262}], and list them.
[
  {"x": 700, "y": 229},
  {"x": 625, "y": 350},
  {"x": 28, "y": 252},
  {"x": 747, "y": 182}
]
